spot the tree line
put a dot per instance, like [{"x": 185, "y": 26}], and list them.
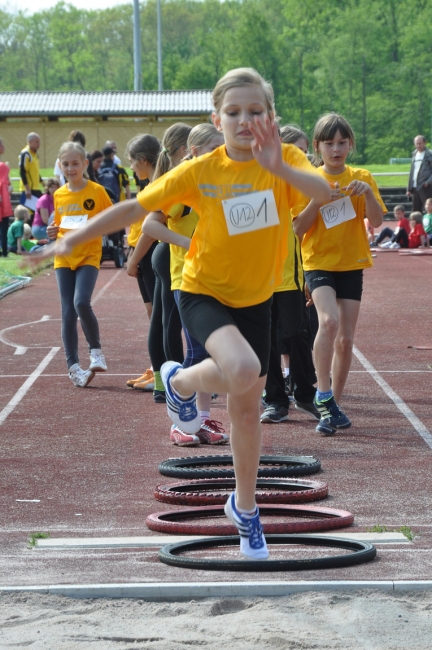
[{"x": 368, "y": 59}]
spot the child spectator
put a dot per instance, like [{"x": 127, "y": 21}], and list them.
[
  {"x": 16, "y": 230},
  {"x": 417, "y": 237},
  {"x": 5, "y": 202},
  {"x": 44, "y": 208},
  {"x": 427, "y": 219},
  {"x": 397, "y": 236}
]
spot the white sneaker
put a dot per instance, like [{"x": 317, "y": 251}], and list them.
[
  {"x": 386, "y": 244},
  {"x": 394, "y": 245},
  {"x": 252, "y": 541},
  {"x": 97, "y": 361},
  {"x": 182, "y": 411},
  {"x": 80, "y": 378}
]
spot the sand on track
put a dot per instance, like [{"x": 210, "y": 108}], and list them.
[{"x": 366, "y": 619}]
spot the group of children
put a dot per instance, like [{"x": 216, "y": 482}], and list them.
[
  {"x": 415, "y": 232},
  {"x": 228, "y": 219}
]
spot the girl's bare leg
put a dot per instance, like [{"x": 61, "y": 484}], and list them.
[
  {"x": 343, "y": 345},
  {"x": 328, "y": 318}
]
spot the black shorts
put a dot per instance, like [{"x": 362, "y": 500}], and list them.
[
  {"x": 202, "y": 315},
  {"x": 348, "y": 285}
]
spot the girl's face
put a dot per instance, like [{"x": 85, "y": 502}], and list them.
[
  {"x": 96, "y": 163},
  {"x": 334, "y": 153},
  {"x": 216, "y": 141},
  {"x": 141, "y": 168},
  {"x": 52, "y": 188},
  {"x": 239, "y": 107},
  {"x": 73, "y": 166}
]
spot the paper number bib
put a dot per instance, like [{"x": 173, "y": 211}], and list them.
[
  {"x": 250, "y": 212},
  {"x": 337, "y": 212},
  {"x": 71, "y": 223}
]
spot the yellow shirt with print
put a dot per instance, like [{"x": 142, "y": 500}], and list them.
[
  {"x": 238, "y": 270},
  {"x": 344, "y": 247},
  {"x": 183, "y": 221},
  {"x": 89, "y": 201}
]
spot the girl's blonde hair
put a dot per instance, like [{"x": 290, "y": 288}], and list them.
[
  {"x": 326, "y": 128},
  {"x": 416, "y": 216},
  {"x": 243, "y": 77},
  {"x": 73, "y": 146},
  {"x": 21, "y": 213},
  {"x": 27, "y": 231},
  {"x": 201, "y": 135},
  {"x": 290, "y": 133},
  {"x": 144, "y": 147},
  {"x": 174, "y": 138}
]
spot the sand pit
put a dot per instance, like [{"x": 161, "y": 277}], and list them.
[{"x": 363, "y": 619}]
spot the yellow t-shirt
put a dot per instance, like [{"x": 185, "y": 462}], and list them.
[
  {"x": 89, "y": 201},
  {"x": 183, "y": 221},
  {"x": 135, "y": 232},
  {"x": 238, "y": 270},
  {"x": 344, "y": 247}
]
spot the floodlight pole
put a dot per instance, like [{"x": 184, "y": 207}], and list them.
[
  {"x": 159, "y": 45},
  {"x": 137, "y": 46}
]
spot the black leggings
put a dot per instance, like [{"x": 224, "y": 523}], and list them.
[
  {"x": 164, "y": 339},
  {"x": 146, "y": 277},
  {"x": 76, "y": 288},
  {"x": 399, "y": 236},
  {"x": 4, "y": 225}
]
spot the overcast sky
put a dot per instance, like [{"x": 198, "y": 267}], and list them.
[{"x": 30, "y": 6}]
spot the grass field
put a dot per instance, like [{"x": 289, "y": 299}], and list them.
[
  {"x": 382, "y": 181},
  {"x": 10, "y": 265}
]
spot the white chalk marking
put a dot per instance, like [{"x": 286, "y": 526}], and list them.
[
  {"x": 398, "y": 401},
  {"x": 19, "y": 349},
  {"x": 21, "y": 392}
]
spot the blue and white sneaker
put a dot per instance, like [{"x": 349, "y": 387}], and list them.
[
  {"x": 252, "y": 541},
  {"x": 332, "y": 418},
  {"x": 183, "y": 412}
]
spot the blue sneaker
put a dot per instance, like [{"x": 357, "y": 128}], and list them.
[
  {"x": 332, "y": 418},
  {"x": 252, "y": 541},
  {"x": 183, "y": 412}
]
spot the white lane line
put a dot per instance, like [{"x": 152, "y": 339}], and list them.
[
  {"x": 21, "y": 392},
  {"x": 19, "y": 349},
  {"x": 108, "y": 284},
  {"x": 398, "y": 401}
]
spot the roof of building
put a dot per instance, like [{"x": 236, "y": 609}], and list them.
[{"x": 119, "y": 103}]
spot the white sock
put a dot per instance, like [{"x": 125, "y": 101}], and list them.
[
  {"x": 204, "y": 415},
  {"x": 286, "y": 372}
]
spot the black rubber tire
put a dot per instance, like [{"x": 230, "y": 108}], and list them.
[
  {"x": 363, "y": 552},
  {"x": 210, "y": 492},
  {"x": 198, "y": 466},
  {"x": 175, "y": 522},
  {"x": 119, "y": 257}
]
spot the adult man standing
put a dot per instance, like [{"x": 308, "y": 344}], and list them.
[
  {"x": 112, "y": 145},
  {"x": 420, "y": 178},
  {"x": 28, "y": 162},
  {"x": 113, "y": 177}
]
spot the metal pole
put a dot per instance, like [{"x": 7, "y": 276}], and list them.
[
  {"x": 137, "y": 46},
  {"x": 159, "y": 45}
]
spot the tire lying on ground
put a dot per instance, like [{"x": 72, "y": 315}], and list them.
[
  {"x": 176, "y": 554},
  {"x": 174, "y": 522},
  {"x": 216, "y": 466},
  {"x": 213, "y": 492}
]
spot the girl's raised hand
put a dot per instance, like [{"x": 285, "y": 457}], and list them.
[
  {"x": 357, "y": 188},
  {"x": 266, "y": 146},
  {"x": 52, "y": 231}
]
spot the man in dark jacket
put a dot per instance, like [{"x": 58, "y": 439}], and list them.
[{"x": 420, "y": 178}]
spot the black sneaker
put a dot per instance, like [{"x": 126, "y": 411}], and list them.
[
  {"x": 332, "y": 418},
  {"x": 159, "y": 396},
  {"x": 309, "y": 408},
  {"x": 274, "y": 414}
]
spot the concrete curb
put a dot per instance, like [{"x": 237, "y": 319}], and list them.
[{"x": 172, "y": 591}]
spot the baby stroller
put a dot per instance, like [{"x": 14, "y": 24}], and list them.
[{"x": 113, "y": 244}]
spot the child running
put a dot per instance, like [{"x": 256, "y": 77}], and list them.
[
  {"x": 243, "y": 193},
  {"x": 203, "y": 139},
  {"x": 75, "y": 203},
  {"x": 335, "y": 252}
]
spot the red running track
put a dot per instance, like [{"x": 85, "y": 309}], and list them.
[{"x": 89, "y": 457}]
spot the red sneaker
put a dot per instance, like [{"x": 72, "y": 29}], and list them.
[
  {"x": 212, "y": 433},
  {"x": 183, "y": 439}
]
